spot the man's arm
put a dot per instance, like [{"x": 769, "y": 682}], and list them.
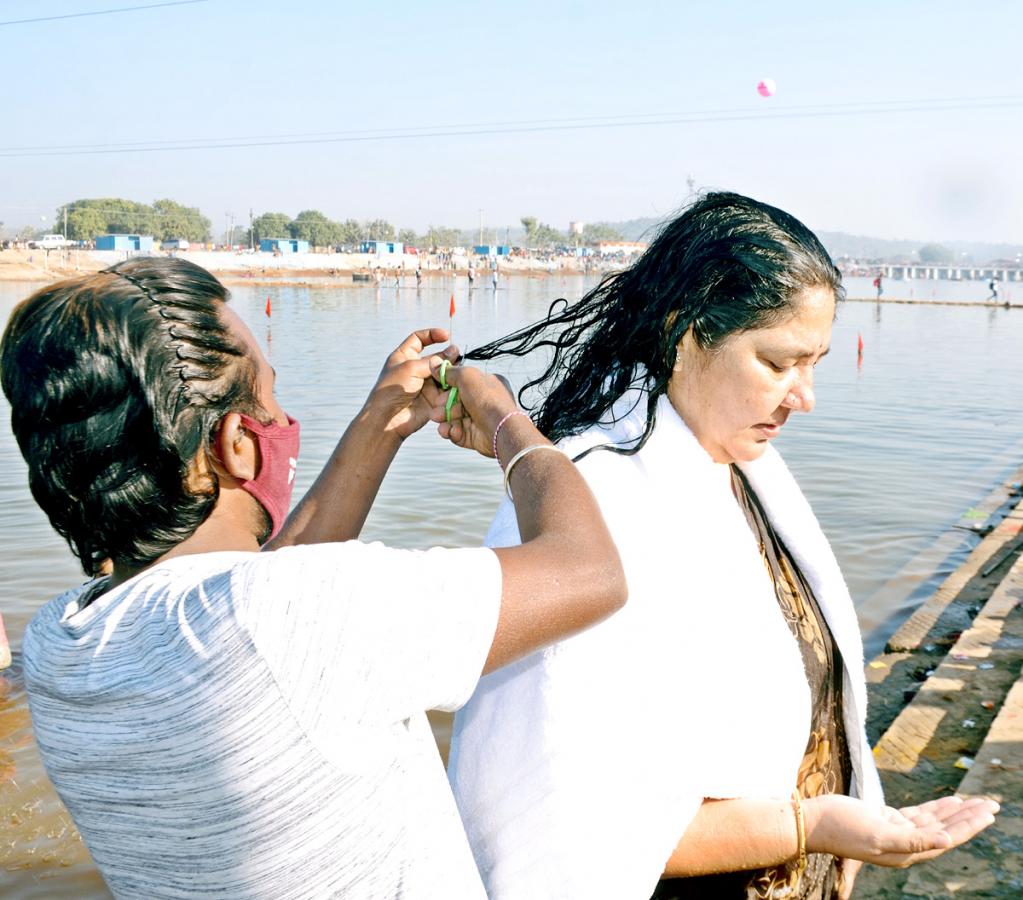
[
  {"x": 566, "y": 575},
  {"x": 336, "y": 506}
]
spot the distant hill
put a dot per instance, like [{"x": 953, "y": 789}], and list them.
[{"x": 840, "y": 244}]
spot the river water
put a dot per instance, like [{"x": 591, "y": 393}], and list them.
[{"x": 899, "y": 448}]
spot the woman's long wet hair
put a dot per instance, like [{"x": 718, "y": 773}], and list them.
[{"x": 726, "y": 264}]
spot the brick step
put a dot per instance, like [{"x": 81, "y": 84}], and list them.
[
  {"x": 964, "y": 693},
  {"x": 991, "y": 865},
  {"x": 927, "y": 637},
  {"x": 975, "y": 577},
  {"x": 951, "y": 712}
]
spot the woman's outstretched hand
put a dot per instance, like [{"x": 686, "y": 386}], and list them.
[{"x": 850, "y": 828}]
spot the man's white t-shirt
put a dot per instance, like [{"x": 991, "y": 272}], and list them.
[{"x": 253, "y": 724}]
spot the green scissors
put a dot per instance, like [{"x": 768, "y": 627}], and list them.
[{"x": 452, "y": 391}]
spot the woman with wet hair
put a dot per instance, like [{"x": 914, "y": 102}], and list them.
[{"x": 709, "y": 740}]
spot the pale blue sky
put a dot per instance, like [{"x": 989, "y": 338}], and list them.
[{"x": 232, "y": 69}]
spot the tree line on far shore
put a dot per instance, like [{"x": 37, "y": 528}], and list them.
[
  {"x": 313, "y": 226},
  {"x": 167, "y": 220},
  {"x": 164, "y": 219}
]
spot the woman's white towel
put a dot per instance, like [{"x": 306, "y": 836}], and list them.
[{"x": 578, "y": 769}]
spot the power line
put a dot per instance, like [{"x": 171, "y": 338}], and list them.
[
  {"x": 862, "y": 107},
  {"x": 632, "y": 120},
  {"x": 100, "y": 12}
]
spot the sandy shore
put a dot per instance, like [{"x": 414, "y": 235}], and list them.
[{"x": 256, "y": 268}]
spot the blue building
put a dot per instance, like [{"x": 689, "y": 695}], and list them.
[
  {"x": 141, "y": 242},
  {"x": 379, "y": 247},
  {"x": 283, "y": 245},
  {"x": 490, "y": 250}
]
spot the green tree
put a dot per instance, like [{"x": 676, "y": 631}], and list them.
[
  {"x": 271, "y": 225},
  {"x": 439, "y": 236},
  {"x": 937, "y": 254},
  {"x": 172, "y": 220},
  {"x": 408, "y": 237},
  {"x": 88, "y": 218},
  {"x": 547, "y": 236},
  {"x": 105, "y": 215},
  {"x": 349, "y": 231},
  {"x": 127, "y": 216},
  {"x": 85, "y": 223},
  {"x": 313, "y": 226},
  {"x": 378, "y": 230},
  {"x": 529, "y": 225}
]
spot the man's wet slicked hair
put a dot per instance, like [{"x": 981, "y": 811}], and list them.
[{"x": 117, "y": 380}]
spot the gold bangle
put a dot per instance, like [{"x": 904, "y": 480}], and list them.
[
  {"x": 525, "y": 451},
  {"x": 797, "y": 806}
]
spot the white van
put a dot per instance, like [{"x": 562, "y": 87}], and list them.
[
  {"x": 50, "y": 242},
  {"x": 175, "y": 244}
]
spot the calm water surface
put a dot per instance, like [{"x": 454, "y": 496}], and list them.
[{"x": 896, "y": 451}]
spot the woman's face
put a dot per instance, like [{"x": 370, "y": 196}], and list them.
[{"x": 737, "y": 398}]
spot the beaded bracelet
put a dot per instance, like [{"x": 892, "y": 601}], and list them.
[
  {"x": 797, "y": 806},
  {"x": 524, "y": 452},
  {"x": 514, "y": 412}
]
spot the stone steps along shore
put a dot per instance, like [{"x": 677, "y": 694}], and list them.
[{"x": 946, "y": 713}]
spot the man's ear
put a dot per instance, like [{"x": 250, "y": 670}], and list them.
[{"x": 237, "y": 452}]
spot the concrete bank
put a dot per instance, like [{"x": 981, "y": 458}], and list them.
[
  {"x": 946, "y": 711},
  {"x": 912, "y": 301},
  {"x": 320, "y": 268}
]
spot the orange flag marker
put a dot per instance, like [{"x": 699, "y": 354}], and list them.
[
  {"x": 451, "y": 319},
  {"x": 269, "y": 308}
]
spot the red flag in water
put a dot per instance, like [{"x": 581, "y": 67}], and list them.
[
  {"x": 859, "y": 344},
  {"x": 451, "y": 309},
  {"x": 269, "y": 308}
]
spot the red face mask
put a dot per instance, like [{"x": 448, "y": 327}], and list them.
[{"x": 278, "y": 452}]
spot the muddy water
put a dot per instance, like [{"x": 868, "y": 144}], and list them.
[{"x": 898, "y": 448}]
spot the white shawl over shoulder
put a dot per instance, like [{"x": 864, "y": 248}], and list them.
[{"x": 578, "y": 769}]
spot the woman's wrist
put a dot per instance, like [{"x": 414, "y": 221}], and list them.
[
  {"x": 375, "y": 417},
  {"x": 516, "y": 433},
  {"x": 815, "y": 810},
  {"x": 497, "y": 432}
]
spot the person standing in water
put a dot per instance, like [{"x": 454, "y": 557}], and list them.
[{"x": 221, "y": 721}]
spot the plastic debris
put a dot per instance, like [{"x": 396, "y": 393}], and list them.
[
  {"x": 929, "y": 673},
  {"x": 767, "y": 87},
  {"x": 972, "y": 513},
  {"x": 964, "y": 762},
  {"x": 988, "y": 704},
  {"x": 877, "y": 664},
  {"x": 929, "y": 648},
  {"x": 969, "y": 723},
  {"x": 996, "y": 762},
  {"x": 960, "y": 656},
  {"x": 985, "y": 665}
]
